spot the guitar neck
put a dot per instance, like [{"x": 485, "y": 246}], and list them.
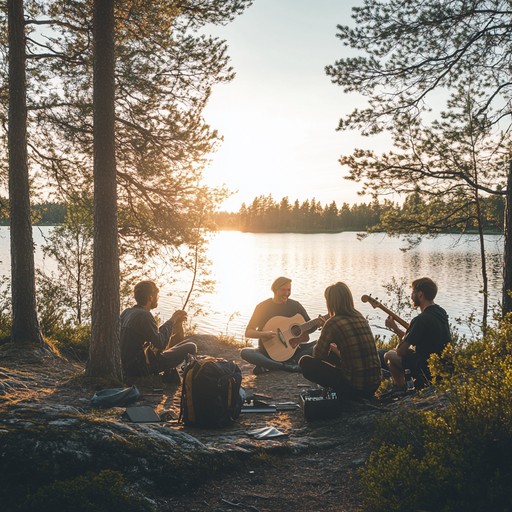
[
  {"x": 394, "y": 316},
  {"x": 376, "y": 304},
  {"x": 312, "y": 323}
]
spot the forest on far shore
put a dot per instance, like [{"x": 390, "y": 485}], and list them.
[
  {"x": 43, "y": 214},
  {"x": 264, "y": 214}
]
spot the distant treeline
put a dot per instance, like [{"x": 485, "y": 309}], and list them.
[
  {"x": 43, "y": 214},
  {"x": 264, "y": 214}
]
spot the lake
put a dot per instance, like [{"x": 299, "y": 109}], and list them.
[{"x": 245, "y": 264}]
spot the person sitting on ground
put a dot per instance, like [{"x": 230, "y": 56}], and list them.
[
  {"x": 345, "y": 357},
  {"x": 141, "y": 337},
  {"x": 428, "y": 333},
  {"x": 280, "y": 305}
]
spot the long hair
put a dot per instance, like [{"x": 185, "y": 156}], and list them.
[{"x": 339, "y": 300}]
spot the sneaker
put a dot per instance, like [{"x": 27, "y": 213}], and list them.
[{"x": 259, "y": 370}]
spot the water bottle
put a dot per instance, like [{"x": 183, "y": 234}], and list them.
[{"x": 409, "y": 382}]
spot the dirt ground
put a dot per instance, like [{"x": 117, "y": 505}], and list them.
[
  {"x": 321, "y": 477},
  {"x": 318, "y": 481},
  {"x": 319, "y": 474}
]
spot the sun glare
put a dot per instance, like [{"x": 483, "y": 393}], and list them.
[{"x": 244, "y": 292}]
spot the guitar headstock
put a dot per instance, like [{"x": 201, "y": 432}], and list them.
[{"x": 371, "y": 300}]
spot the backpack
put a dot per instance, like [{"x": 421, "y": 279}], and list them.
[{"x": 211, "y": 394}]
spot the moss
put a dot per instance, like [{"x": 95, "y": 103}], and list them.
[
  {"x": 90, "y": 446},
  {"x": 105, "y": 491}
]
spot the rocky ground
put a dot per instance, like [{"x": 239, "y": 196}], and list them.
[{"x": 312, "y": 467}]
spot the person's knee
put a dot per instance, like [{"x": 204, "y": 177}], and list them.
[
  {"x": 392, "y": 358},
  {"x": 389, "y": 353},
  {"x": 304, "y": 360},
  {"x": 305, "y": 363},
  {"x": 246, "y": 354}
]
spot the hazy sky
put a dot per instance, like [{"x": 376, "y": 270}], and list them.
[{"x": 279, "y": 115}]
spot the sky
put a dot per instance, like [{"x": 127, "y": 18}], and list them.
[{"x": 279, "y": 115}]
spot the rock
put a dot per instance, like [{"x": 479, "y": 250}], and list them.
[
  {"x": 54, "y": 429},
  {"x": 208, "y": 345}
]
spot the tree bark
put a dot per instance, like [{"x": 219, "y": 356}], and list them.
[
  {"x": 483, "y": 258},
  {"x": 104, "y": 354},
  {"x": 25, "y": 325},
  {"x": 507, "y": 251}
]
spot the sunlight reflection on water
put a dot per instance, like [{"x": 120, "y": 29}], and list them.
[{"x": 245, "y": 264}]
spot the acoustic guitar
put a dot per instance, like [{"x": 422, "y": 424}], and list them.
[
  {"x": 376, "y": 304},
  {"x": 290, "y": 333}
]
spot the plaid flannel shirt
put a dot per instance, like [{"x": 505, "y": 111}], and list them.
[{"x": 359, "y": 359}]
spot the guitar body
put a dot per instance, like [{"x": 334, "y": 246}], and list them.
[{"x": 291, "y": 332}]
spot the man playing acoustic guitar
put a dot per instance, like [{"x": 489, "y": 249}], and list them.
[
  {"x": 281, "y": 326},
  {"x": 428, "y": 333}
]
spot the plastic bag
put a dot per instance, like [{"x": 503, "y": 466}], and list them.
[{"x": 115, "y": 397}]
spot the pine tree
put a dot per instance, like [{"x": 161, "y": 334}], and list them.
[
  {"x": 410, "y": 55},
  {"x": 25, "y": 324}
]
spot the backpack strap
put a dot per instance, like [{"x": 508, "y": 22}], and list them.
[{"x": 187, "y": 398}]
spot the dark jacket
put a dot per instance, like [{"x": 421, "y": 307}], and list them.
[{"x": 138, "y": 326}]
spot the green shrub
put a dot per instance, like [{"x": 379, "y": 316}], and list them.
[
  {"x": 102, "y": 492},
  {"x": 458, "y": 457},
  {"x": 387, "y": 465},
  {"x": 72, "y": 341}
]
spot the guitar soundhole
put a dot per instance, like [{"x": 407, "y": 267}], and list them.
[{"x": 296, "y": 330}]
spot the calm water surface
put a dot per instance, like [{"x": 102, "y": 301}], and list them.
[{"x": 245, "y": 264}]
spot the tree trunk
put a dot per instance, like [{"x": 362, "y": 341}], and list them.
[
  {"x": 25, "y": 325},
  {"x": 507, "y": 251},
  {"x": 104, "y": 354},
  {"x": 483, "y": 259}
]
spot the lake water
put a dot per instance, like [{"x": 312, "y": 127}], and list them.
[{"x": 245, "y": 264}]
